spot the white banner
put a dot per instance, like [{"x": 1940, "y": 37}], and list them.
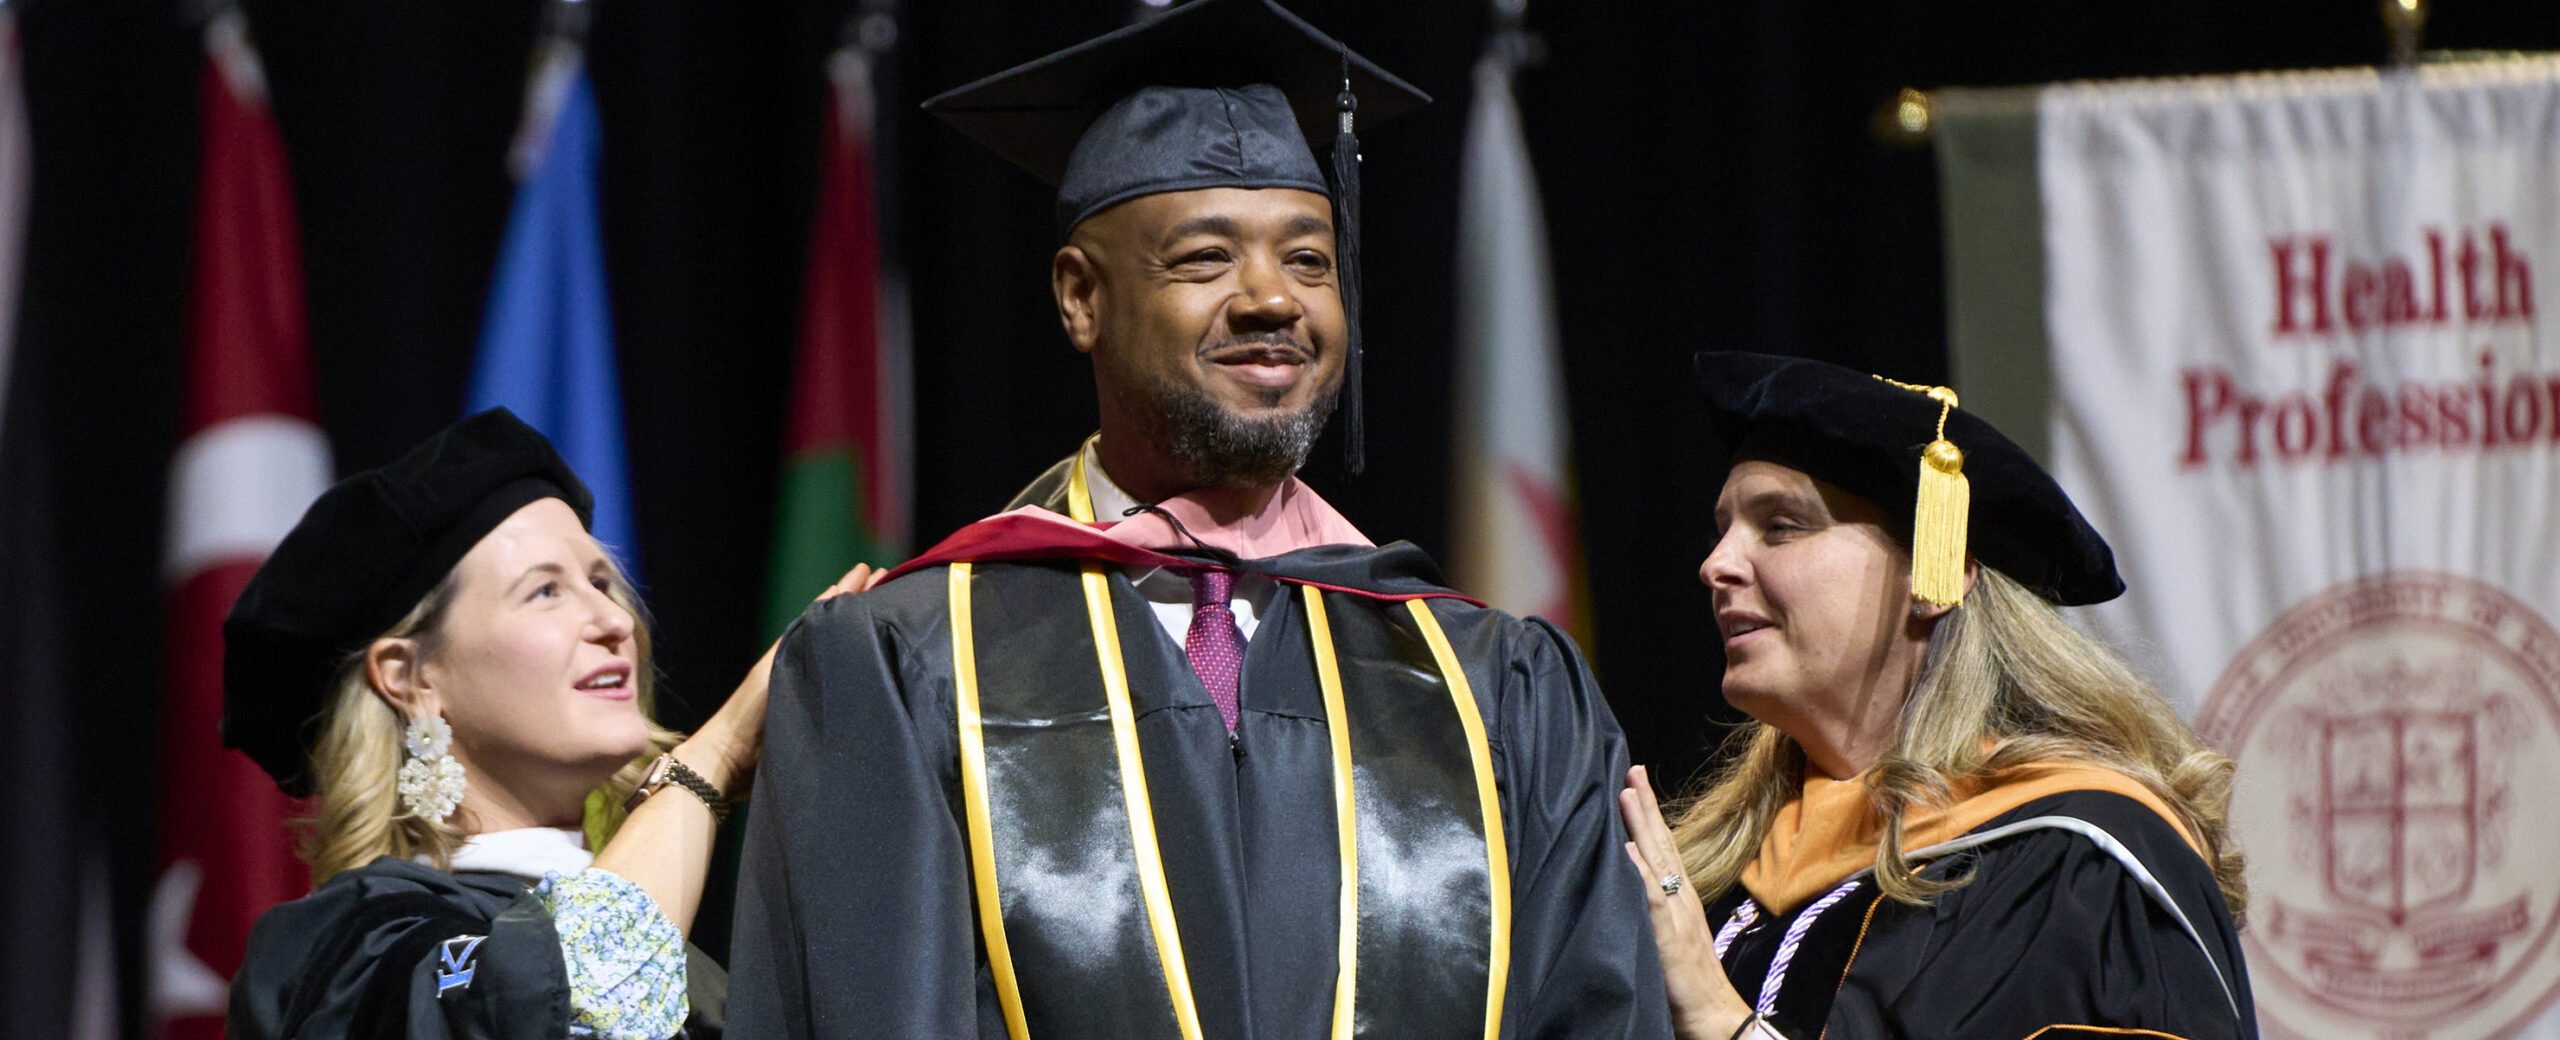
[{"x": 2302, "y": 383}]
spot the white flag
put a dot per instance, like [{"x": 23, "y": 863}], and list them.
[{"x": 1513, "y": 541}]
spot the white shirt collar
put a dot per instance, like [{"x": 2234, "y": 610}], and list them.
[
  {"x": 1111, "y": 503},
  {"x": 526, "y": 852},
  {"x": 1168, "y": 593}
]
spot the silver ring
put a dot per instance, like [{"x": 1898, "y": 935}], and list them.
[{"x": 1671, "y": 883}]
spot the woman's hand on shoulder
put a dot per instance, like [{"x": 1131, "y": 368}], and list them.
[
  {"x": 734, "y": 736},
  {"x": 1703, "y": 1001},
  {"x": 860, "y": 579}
]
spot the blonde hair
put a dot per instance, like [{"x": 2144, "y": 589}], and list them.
[
  {"x": 2006, "y": 683},
  {"x": 355, "y": 765}
]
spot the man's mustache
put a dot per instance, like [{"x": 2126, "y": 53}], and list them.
[{"x": 1259, "y": 346}]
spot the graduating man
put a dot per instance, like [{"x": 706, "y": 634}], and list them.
[{"x": 1171, "y": 749}]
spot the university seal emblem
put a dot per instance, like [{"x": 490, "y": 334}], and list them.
[{"x": 2399, "y": 746}]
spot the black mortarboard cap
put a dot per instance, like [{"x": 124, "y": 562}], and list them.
[
  {"x": 1867, "y": 435},
  {"x": 361, "y": 558},
  {"x": 1214, "y": 93},
  {"x": 1086, "y": 119}
]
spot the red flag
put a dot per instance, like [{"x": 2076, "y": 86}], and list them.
[
  {"x": 844, "y": 471},
  {"x": 251, "y": 460}
]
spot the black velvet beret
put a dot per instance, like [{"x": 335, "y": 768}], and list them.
[
  {"x": 361, "y": 558},
  {"x": 1865, "y": 436},
  {"x": 1214, "y": 93}
]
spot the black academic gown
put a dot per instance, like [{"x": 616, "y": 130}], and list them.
[
  {"x": 400, "y": 951},
  {"x": 2053, "y": 938},
  {"x": 855, "y": 907}
]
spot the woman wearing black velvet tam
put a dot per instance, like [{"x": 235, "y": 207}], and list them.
[
  {"x": 442, "y": 654},
  {"x": 1955, "y": 815}
]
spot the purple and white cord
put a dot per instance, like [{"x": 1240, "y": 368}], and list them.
[
  {"x": 1796, "y": 930},
  {"x": 1742, "y": 917}
]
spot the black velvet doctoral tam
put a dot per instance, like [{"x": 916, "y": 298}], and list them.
[
  {"x": 1865, "y": 435},
  {"x": 363, "y": 555}
]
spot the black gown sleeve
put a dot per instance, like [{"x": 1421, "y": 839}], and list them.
[
  {"x": 2055, "y": 934},
  {"x": 854, "y": 916},
  {"x": 397, "y": 951},
  {"x": 1583, "y": 957}
]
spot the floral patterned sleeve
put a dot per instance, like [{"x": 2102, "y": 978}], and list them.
[{"x": 626, "y": 960}]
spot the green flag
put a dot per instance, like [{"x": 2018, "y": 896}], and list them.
[{"x": 843, "y": 498}]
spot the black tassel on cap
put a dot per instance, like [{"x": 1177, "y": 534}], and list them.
[{"x": 1346, "y": 239}]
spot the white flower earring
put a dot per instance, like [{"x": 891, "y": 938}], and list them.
[{"x": 431, "y": 780}]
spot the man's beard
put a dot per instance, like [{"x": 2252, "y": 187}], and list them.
[{"x": 1218, "y": 448}]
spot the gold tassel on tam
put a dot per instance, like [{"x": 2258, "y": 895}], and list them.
[{"x": 1939, "y": 516}]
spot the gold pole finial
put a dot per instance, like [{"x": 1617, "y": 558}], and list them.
[
  {"x": 1904, "y": 121},
  {"x": 2404, "y": 21}
]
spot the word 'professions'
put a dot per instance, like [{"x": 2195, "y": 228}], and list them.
[{"x": 2459, "y": 282}]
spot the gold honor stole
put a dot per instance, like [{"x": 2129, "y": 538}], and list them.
[{"x": 1055, "y": 793}]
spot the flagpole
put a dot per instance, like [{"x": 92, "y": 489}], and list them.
[
  {"x": 1511, "y": 42},
  {"x": 565, "y": 20},
  {"x": 558, "y": 57}
]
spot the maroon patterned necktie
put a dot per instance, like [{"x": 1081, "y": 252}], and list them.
[{"x": 1214, "y": 644}]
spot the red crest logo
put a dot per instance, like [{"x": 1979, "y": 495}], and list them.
[{"x": 2399, "y": 748}]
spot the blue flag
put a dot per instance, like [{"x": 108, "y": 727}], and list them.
[{"x": 546, "y": 349}]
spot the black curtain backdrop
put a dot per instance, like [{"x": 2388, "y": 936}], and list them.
[{"x": 1709, "y": 175}]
